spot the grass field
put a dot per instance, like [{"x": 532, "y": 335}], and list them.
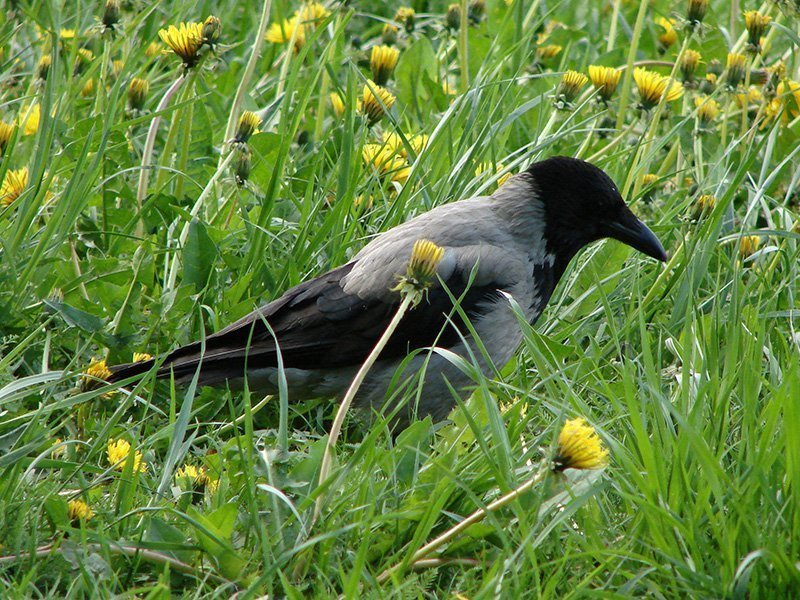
[{"x": 136, "y": 214}]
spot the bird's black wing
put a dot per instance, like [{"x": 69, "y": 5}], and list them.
[{"x": 320, "y": 326}]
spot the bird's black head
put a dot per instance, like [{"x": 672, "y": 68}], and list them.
[{"x": 583, "y": 205}]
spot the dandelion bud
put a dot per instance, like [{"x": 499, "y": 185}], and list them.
[
  {"x": 707, "y": 111},
  {"x": 337, "y": 104},
  {"x": 241, "y": 163},
  {"x": 43, "y": 68},
  {"x": 407, "y": 17},
  {"x": 137, "y": 93},
  {"x": 756, "y": 24},
  {"x": 548, "y": 51},
  {"x": 689, "y": 62},
  {"x": 452, "y": 18},
  {"x": 709, "y": 83},
  {"x": 425, "y": 259},
  {"x": 704, "y": 204},
  {"x": 248, "y": 124},
  {"x": 389, "y": 35},
  {"x": 212, "y": 27},
  {"x": 759, "y": 76},
  {"x": 111, "y": 14},
  {"x": 748, "y": 245},
  {"x": 696, "y": 12},
  {"x": 375, "y": 101},
  {"x": 382, "y": 62},
  {"x": 569, "y": 88},
  {"x": 714, "y": 67},
  {"x": 6, "y": 132},
  {"x": 736, "y": 66},
  {"x": 668, "y": 36},
  {"x": 476, "y": 11},
  {"x": 604, "y": 80}
]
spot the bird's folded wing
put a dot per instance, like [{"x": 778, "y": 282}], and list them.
[{"x": 319, "y": 324}]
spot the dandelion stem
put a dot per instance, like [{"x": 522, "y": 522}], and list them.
[
  {"x": 473, "y": 518},
  {"x": 173, "y": 272},
  {"x": 463, "y": 47},
  {"x": 325, "y": 468},
  {"x": 627, "y": 78},
  {"x": 247, "y": 75},
  {"x": 149, "y": 144}
]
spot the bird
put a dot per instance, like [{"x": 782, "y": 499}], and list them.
[{"x": 515, "y": 243}]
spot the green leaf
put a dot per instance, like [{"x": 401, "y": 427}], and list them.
[
  {"x": 214, "y": 537},
  {"x": 74, "y": 317},
  {"x": 416, "y": 64},
  {"x": 199, "y": 254}
]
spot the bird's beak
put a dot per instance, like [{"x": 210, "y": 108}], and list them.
[{"x": 631, "y": 231}]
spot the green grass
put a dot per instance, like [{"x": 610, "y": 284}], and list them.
[{"x": 690, "y": 372}]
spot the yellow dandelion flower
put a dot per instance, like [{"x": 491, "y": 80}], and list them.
[
  {"x": 385, "y": 162},
  {"x": 29, "y": 119},
  {"x": 736, "y": 65},
  {"x": 394, "y": 142},
  {"x": 312, "y": 13},
  {"x": 97, "y": 371},
  {"x": 604, "y": 80},
  {"x": 548, "y": 51},
  {"x": 668, "y": 36},
  {"x": 66, "y": 34},
  {"x": 650, "y": 179},
  {"x": 118, "y": 452},
  {"x": 185, "y": 41},
  {"x": 249, "y": 123},
  {"x": 187, "y": 471},
  {"x": 375, "y": 102},
  {"x": 78, "y": 510},
  {"x": 748, "y": 244},
  {"x": 14, "y": 183},
  {"x": 337, "y": 104},
  {"x": 382, "y": 62},
  {"x": 141, "y": 356},
  {"x": 282, "y": 33},
  {"x": 6, "y": 133},
  {"x": 653, "y": 87},
  {"x": 579, "y": 447}
]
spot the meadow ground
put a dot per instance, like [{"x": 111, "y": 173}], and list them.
[{"x": 689, "y": 372}]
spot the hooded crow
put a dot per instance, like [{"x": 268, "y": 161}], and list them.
[{"x": 516, "y": 242}]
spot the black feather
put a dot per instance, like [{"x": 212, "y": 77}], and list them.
[{"x": 320, "y": 326}]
